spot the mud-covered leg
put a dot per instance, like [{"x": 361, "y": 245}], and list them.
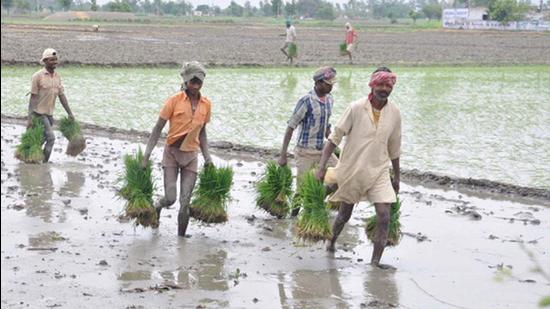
[
  {"x": 344, "y": 214},
  {"x": 170, "y": 190},
  {"x": 49, "y": 136},
  {"x": 381, "y": 233},
  {"x": 188, "y": 180}
]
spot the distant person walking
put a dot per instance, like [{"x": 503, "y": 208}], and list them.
[
  {"x": 372, "y": 127},
  {"x": 351, "y": 41},
  {"x": 290, "y": 39},
  {"x": 188, "y": 112},
  {"x": 312, "y": 114},
  {"x": 46, "y": 87}
]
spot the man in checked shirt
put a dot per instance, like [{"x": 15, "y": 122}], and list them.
[{"x": 311, "y": 114}]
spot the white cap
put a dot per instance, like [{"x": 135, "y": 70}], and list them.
[{"x": 48, "y": 53}]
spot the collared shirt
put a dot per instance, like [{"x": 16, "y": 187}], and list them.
[
  {"x": 177, "y": 109},
  {"x": 368, "y": 149},
  {"x": 47, "y": 87},
  {"x": 290, "y": 34},
  {"x": 313, "y": 117}
]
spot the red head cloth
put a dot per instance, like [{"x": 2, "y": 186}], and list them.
[{"x": 382, "y": 77}]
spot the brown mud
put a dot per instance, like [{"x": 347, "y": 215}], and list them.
[{"x": 259, "y": 45}]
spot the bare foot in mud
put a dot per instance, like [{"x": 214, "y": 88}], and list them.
[{"x": 384, "y": 266}]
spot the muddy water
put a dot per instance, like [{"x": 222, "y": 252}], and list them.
[
  {"x": 464, "y": 122},
  {"x": 63, "y": 245}
]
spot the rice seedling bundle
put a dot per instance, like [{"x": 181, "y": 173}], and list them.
[
  {"x": 137, "y": 189},
  {"x": 71, "y": 131},
  {"x": 313, "y": 220},
  {"x": 212, "y": 194},
  {"x": 292, "y": 50},
  {"x": 394, "y": 235},
  {"x": 343, "y": 49},
  {"x": 274, "y": 190},
  {"x": 30, "y": 149}
]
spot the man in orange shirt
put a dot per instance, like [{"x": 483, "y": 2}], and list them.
[{"x": 188, "y": 113}]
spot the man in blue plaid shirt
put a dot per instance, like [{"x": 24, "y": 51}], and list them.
[{"x": 311, "y": 114}]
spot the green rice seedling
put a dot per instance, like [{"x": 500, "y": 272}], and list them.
[
  {"x": 70, "y": 129},
  {"x": 292, "y": 50},
  {"x": 137, "y": 189},
  {"x": 394, "y": 235},
  {"x": 343, "y": 49},
  {"x": 212, "y": 194},
  {"x": 274, "y": 190},
  {"x": 313, "y": 220},
  {"x": 30, "y": 149}
]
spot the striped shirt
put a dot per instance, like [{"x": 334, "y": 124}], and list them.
[{"x": 312, "y": 115}]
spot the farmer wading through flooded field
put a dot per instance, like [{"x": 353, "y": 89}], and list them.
[
  {"x": 312, "y": 114},
  {"x": 188, "y": 112},
  {"x": 372, "y": 127},
  {"x": 45, "y": 88}
]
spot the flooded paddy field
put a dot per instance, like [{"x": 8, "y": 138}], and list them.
[
  {"x": 63, "y": 245},
  {"x": 484, "y": 123}
]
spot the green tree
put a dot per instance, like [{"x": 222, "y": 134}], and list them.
[
  {"x": 93, "y": 7},
  {"x": 414, "y": 16},
  {"x": 247, "y": 9},
  {"x": 6, "y": 4},
  {"x": 203, "y": 8},
  {"x": 119, "y": 6},
  {"x": 65, "y": 4},
  {"x": 276, "y": 6},
  {"x": 325, "y": 11},
  {"x": 22, "y": 4},
  {"x": 290, "y": 8},
  {"x": 432, "y": 11},
  {"x": 235, "y": 9},
  {"x": 506, "y": 11},
  {"x": 265, "y": 8}
]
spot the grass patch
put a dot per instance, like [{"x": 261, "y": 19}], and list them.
[
  {"x": 137, "y": 190},
  {"x": 274, "y": 190},
  {"x": 212, "y": 194},
  {"x": 394, "y": 235},
  {"x": 70, "y": 129},
  {"x": 30, "y": 149},
  {"x": 313, "y": 220}
]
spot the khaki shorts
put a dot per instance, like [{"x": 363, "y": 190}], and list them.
[
  {"x": 382, "y": 190},
  {"x": 307, "y": 159},
  {"x": 350, "y": 47},
  {"x": 174, "y": 157}
]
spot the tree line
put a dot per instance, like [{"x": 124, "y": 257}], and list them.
[{"x": 501, "y": 10}]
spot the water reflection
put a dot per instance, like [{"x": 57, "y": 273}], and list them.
[
  {"x": 207, "y": 273},
  {"x": 37, "y": 188},
  {"x": 74, "y": 183},
  {"x": 381, "y": 287},
  {"x": 309, "y": 289}
]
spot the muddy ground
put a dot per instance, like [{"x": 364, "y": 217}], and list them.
[
  {"x": 258, "y": 45},
  {"x": 64, "y": 245}
]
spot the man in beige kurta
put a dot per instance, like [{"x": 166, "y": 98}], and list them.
[
  {"x": 372, "y": 127},
  {"x": 46, "y": 87}
]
